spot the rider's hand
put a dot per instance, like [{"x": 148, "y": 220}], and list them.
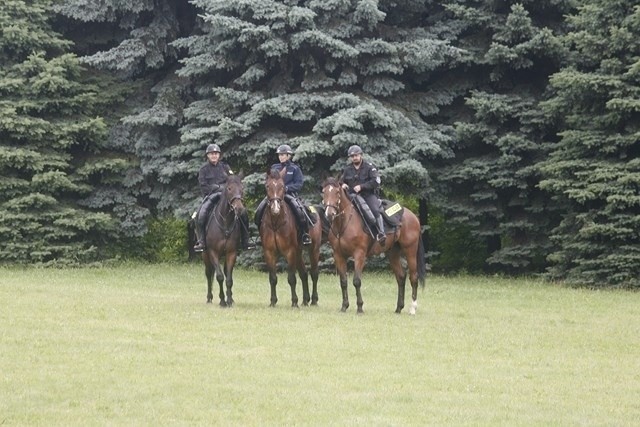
[
  {"x": 357, "y": 188},
  {"x": 345, "y": 187}
]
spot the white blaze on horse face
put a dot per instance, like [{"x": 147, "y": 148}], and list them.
[{"x": 330, "y": 210}]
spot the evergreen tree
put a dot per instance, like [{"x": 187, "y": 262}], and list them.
[
  {"x": 131, "y": 41},
  {"x": 594, "y": 170},
  {"x": 491, "y": 183},
  {"x": 318, "y": 75},
  {"x": 49, "y": 144}
]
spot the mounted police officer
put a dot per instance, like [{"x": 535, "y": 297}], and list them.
[
  {"x": 212, "y": 177},
  {"x": 293, "y": 180},
  {"x": 362, "y": 178}
]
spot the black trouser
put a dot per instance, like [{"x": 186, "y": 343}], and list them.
[
  {"x": 373, "y": 203},
  {"x": 203, "y": 214}
]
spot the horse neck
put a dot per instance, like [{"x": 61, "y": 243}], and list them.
[
  {"x": 224, "y": 212},
  {"x": 345, "y": 211}
]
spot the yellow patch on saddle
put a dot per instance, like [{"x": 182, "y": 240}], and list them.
[
  {"x": 312, "y": 209},
  {"x": 395, "y": 208}
]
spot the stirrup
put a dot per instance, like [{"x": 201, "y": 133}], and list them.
[
  {"x": 306, "y": 239},
  {"x": 381, "y": 238},
  {"x": 248, "y": 246},
  {"x": 199, "y": 247}
]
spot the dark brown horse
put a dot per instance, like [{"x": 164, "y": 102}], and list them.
[
  {"x": 348, "y": 238},
  {"x": 223, "y": 239},
  {"x": 279, "y": 235}
]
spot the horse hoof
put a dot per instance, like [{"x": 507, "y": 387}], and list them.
[
  {"x": 273, "y": 304},
  {"x": 223, "y": 304}
]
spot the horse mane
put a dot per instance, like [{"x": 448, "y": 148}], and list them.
[
  {"x": 274, "y": 174},
  {"x": 331, "y": 181},
  {"x": 234, "y": 179}
]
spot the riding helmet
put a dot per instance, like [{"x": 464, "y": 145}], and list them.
[
  {"x": 284, "y": 149},
  {"x": 213, "y": 148},
  {"x": 354, "y": 149}
]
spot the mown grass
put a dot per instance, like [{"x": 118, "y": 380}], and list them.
[{"x": 137, "y": 345}]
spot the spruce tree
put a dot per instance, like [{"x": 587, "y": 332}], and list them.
[
  {"x": 318, "y": 75},
  {"x": 49, "y": 144},
  {"x": 593, "y": 171},
  {"x": 490, "y": 184},
  {"x": 128, "y": 44}
]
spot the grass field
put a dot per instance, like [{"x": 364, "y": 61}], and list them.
[{"x": 137, "y": 345}]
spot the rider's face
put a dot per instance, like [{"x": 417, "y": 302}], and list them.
[
  {"x": 356, "y": 159},
  {"x": 283, "y": 157},
  {"x": 214, "y": 157}
]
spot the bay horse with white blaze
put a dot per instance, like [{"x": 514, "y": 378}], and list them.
[
  {"x": 348, "y": 238},
  {"x": 223, "y": 239},
  {"x": 279, "y": 236}
]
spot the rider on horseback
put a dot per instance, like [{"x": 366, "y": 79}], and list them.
[
  {"x": 363, "y": 179},
  {"x": 212, "y": 177},
  {"x": 293, "y": 180}
]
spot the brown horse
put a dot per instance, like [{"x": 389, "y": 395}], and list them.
[
  {"x": 348, "y": 238},
  {"x": 223, "y": 239},
  {"x": 279, "y": 235}
]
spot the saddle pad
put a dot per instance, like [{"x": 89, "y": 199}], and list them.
[{"x": 392, "y": 211}]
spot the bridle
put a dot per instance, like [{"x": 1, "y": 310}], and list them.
[
  {"x": 329, "y": 188},
  {"x": 275, "y": 203}
]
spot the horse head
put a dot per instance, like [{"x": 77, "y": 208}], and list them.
[
  {"x": 274, "y": 185},
  {"x": 332, "y": 193},
  {"x": 233, "y": 194}
]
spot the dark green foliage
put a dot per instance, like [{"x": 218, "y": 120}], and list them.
[
  {"x": 49, "y": 137},
  {"x": 594, "y": 170},
  {"x": 317, "y": 75},
  {"x": 491, "y": 185}
]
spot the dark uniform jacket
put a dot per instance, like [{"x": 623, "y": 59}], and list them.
[
  {"x": 366, "y": 177},
  {"x": 293, "y": 178},
  {"x": 211, "y": 177}
]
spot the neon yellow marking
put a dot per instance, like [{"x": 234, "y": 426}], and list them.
[
  {"x": 312, "y": 209},
  {"x": 395, "y": 208}
]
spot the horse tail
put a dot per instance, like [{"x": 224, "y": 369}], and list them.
[{"x": 422, "y": 262}]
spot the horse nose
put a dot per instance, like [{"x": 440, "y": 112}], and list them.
[{"x": 328, "y": 212}]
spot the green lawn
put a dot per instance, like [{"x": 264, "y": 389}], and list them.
[{"x": 137, "y": 345}]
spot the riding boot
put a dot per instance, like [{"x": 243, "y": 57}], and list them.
[
  {"x": 381, "y": 237},
  {"x": 304, "y": 226},
  {"x": 200, "y": 219},
  {"x": 306, "y": 239}
]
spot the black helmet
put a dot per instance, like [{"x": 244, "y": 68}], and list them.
[
  {"x": 354, "y": 149},
  {"x": 213, "y": 148},
  {"x": 284, "y": 149}
]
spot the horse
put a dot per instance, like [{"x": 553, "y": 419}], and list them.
[
  {"x": 223, "y": 239},
  {"x": 348, "y": 238},
  {"x": 279, "y": 236}
]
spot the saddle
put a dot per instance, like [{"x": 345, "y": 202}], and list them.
[{"x": 391, "y": 211}]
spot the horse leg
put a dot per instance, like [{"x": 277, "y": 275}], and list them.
[
  {"x": 412, "y": 265},
  {"x": 304, "y": 278},
  {"x": 314, "y": 257},
  {"x": 314, "y": 262},
  {"x": 358, "y": 267},
  {"x": 209, "y": 272},
  {"x": 270, "y": 260},
  {"x": 291, "y": 277},
  {"x": 229, "y": 264},
  {"x": 220, "y": 279},
  {"x": 401, "y": 276},
  {"x": 341, "y": 267}
]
